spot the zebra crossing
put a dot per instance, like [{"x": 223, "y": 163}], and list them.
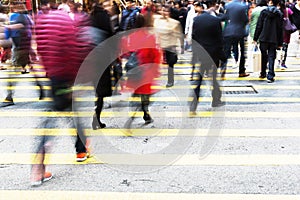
[{"x": 247, "y": 149}]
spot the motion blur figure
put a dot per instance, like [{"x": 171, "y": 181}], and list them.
[
  {"x": 61, "y": 54},
  {"x": 148, "y": 54}
]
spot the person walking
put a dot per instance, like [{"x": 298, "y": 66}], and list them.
[
  {"x": 149, "y": 60},
  {"x": 269, "y": 33},
  {"x": 234, "y": 33},
  {"x": 61, "y": 55},
  {"x": 101, "y": 22},
  {"x": 170, "y": 34},
  {"x": 207, "y": 33},
  {"x": 287, "y": 13}
]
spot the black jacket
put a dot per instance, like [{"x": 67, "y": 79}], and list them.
[
  {"x": 207, "y": 32},
  {"x": 269, "y": 26},
  {"x": 296, "y": 17}
]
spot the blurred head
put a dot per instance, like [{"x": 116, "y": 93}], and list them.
[
  {"x": 130, "y": 4},
  {"x": 18, "y": 7},
  {"x": 262, "y": 3},
  {"x": 273, "y": 2},
  {"x": 140, "y": 21},
  {"x": 107, "y": 6},
  {"x": 199, "y": 7},
  {"x": 149, "y": 3},
  {"x": 178, "y": 4},
  {"x": 166, "y": 9}
]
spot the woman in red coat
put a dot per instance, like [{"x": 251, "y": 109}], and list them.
[{"x": 144, "y": 44}]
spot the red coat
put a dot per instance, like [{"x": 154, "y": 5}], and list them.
[{"x": 149, "y": 58}]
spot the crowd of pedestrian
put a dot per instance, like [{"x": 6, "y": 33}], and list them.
[{"x": 66, "y": 33}]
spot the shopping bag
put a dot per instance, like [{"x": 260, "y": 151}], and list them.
[{"x": 256, "y": 59}]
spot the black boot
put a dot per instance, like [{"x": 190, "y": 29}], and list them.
[
  {"x": 96, "y": 124},
  {"x": 147, "y": 118}
]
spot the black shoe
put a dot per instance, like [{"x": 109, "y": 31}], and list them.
[
  {"x": 148, "y": 119},
  {"x": 24, "y": 72},
  {"x": 244, "y": 75},
  {"x": 271, "y": 80},
  {"x": 7, "y": 102},
  {"x": 96, "y": 124},
  {"x": 217, "y": 104},
  {"x": 262, "y": 76},
  {"x": 169, "y": 85},
  {"x": 42, "y": 93}
]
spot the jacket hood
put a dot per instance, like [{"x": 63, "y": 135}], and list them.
[{"x": 273, "y": 11}]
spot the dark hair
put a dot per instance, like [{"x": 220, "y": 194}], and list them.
[
  {"x": 179, "y": 3},
  {"x": 210, "y": 3},
  {"x": 140, "y": 21},
  {"x": 275, "y": 2},
  {"x": 262, "y": 3}
]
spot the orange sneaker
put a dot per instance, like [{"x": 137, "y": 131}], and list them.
[
  {"x": 47, "y": 176},
  {"x": 80, "y": 157}
]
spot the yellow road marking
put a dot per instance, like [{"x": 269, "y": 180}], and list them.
[
  {"x": 160, "y": 87},
  {"x": 79, "y": 195},
  {"x": 19, "y": 73},
  {"x": 158, "y": 159},
  {"x": 168, "y": 114},
  {"x": 157, "y": 132},
  {"x": 23, "y": 79},
  {"x": 176, "y": 99},
  {"x": 178, "y": 77}
]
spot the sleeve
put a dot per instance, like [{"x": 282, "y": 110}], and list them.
[
  {"x": 258, "y": 28},
  {"x": 279, "y": 31}
]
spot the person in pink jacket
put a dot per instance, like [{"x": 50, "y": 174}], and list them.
[{"x": 61, "y": 54}]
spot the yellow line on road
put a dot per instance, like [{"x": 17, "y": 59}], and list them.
[
  {"x": 22, "y": 79},
  {"x": 89, "y": 195},
  {"x": 168, "y": 114},
  {"x": 19, "y": 73},
  {"x": 162, "y": 87},
  {"x": 164, "y": 78},
  {"x": 128, "y": 158},
  {"x": 156, "y": 132},
  {"x": 176, "y": 99}
]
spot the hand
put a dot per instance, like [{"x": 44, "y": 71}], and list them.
[{"x": 254, "y": 42}]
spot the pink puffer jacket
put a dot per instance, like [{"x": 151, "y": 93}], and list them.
[{"x": 58, "y": 46}]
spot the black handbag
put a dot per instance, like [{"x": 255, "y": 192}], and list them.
[{"x": 133, "y": 71}]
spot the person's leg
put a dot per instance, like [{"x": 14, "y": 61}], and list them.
[
  {"x": 96, "y": 124},
  {"x": 171, "y": 58},
  {"x": 242, "y": 68},
  {"x": 271, "y": 60},
  {"x": 284, "y": 49},
  {"x": 235, "y": 50},
  {"x": 264, "y": 58},
  {"x": 216, "y": 92},
  {"x": 227, "y": 50},
  {"x": 196, "y": 91},
  {"x": 145, "y": 101},
  {"x": 38, "y": 169}
]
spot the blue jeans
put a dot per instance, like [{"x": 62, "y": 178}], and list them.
[
  {"x": 268, "y": 56},
  {"x": 233, "y": 42}
]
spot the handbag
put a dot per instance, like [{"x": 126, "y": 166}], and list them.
[
  {"x": 256, "y": 59},
  {"x": 288, "y": 25},
  {"x": 133, "y": 71}
]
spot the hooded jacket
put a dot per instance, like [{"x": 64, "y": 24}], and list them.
[{"x": 269, "y": 26}]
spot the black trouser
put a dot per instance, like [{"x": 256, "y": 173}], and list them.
[
  {"x": 216, "y": 92},
  {"x": 62, "y": 101},
  {"x": 171, "y": 58},
  {"x": 268, "y": 56},
  {"x": 228, "y": 43},
  {"x": 284, "y": 49}
]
